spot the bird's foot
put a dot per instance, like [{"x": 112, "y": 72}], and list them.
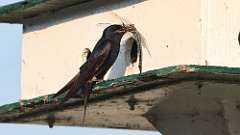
[{"x": 96, "y": 80}]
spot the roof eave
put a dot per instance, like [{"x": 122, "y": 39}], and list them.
[{"x": 18, "y": 12}]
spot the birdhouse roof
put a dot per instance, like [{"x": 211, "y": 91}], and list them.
[
  {"x": 18, "y": 12},
  {"x": 126, "y": 102}
]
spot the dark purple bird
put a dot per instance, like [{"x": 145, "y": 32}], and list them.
[{"x": 99, "y": 61}]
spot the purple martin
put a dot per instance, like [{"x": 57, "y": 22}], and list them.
[{"x": 98, "y": 62}]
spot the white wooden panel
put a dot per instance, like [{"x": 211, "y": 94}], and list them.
[
  {"x": 52, "y": 56},
  {"x": 222, "y": 27}
]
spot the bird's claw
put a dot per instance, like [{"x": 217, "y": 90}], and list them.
[{"x": 96, "y": 80}]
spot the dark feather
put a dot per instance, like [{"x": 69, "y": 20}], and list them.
[{"x": 89, "y": 68}]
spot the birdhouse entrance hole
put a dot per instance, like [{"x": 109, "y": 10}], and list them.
[{"x": 132, "y": 43}]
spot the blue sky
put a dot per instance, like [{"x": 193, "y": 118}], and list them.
[{"x": 10, "y": 57}]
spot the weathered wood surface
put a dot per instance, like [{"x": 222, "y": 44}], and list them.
[{"x": 128, "y": 102}]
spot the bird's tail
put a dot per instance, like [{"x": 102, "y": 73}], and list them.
[
  {"x": 84, "y": 109},
  {"x": 67, "y": 87},
  {"x": 61, "y": 91},
  {"x": 87, "y": 92}
]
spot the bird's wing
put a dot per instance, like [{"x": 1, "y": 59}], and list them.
[
  {"x": 96, "y": 60},
  {"x": 90, "y": 67}
]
